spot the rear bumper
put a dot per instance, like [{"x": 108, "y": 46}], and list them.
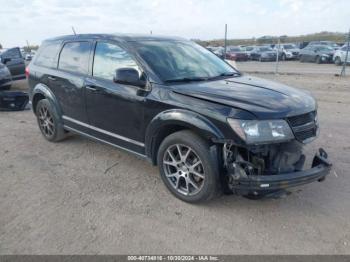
[{"x": 319, "y": 170}]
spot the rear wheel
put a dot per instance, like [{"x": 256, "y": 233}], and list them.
[
  {"x": 187, "y": 167},
  {"x": 49, "y": 122}
]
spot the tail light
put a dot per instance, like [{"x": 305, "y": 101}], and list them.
[{"x": 27, "y": 72}]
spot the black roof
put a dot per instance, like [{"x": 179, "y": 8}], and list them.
[{"x": 117, "y": 37}]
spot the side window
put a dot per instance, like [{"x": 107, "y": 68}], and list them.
[
  {"x": 110, "y": 57},
  {"x": 74, "y": 57},
  {"x": 12, "y": 53},
  {"x": 47, "y": 55}
]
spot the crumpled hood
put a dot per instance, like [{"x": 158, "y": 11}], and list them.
[{"x": 265, "y": 99}]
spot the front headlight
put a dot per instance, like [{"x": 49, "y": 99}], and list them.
[{"x": 260, "y": 132}]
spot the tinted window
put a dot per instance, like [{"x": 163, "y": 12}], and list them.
[
  {"x": 12, "y": 53},
  {"x": 47, "y": 55},
  {"x": 75, "y": 57},
  {"x": 110, "y": 57}
]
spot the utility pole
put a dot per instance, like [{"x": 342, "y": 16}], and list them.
[
  {"x": 277, "y": 55},
  {"x": 346, "y": 56},
  {"x": 225, "y": 41},
  {"x": 28, "y": 45},
  {"x": 74, "y": 31}
]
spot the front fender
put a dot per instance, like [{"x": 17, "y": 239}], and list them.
[
  {"x": 175, "y": 119},
  {"x": 43, "y": 90}
]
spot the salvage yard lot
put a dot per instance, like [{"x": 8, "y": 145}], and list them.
[{"x": 83, "y": 197}]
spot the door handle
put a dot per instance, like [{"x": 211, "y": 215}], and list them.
[
  {"x": 93, "y": 89},
  {"x": 52, "y": 78}
]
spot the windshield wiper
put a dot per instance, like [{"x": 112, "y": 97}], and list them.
[
  {"x": 186, "y": 79},
  {"x": 225, "y": 74}
]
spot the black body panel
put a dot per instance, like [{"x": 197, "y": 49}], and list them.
[{"x": 137, "y": 118}]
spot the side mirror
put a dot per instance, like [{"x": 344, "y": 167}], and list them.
[{"x": 128, "y": 76}]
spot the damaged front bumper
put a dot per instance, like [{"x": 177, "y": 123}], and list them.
[{"x": 257, "y": 183}]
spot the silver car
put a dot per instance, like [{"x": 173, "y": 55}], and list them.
[{"x": 340, "y": 55}]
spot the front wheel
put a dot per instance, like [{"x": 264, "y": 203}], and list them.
[{"x": 187, "y": 167}]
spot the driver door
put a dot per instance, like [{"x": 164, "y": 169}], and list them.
[{"x": 115, "y": 111}]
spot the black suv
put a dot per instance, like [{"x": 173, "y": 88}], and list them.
[{"x": 208, "y": 127}]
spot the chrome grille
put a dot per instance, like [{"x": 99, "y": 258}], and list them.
[{"x": 304, "y": 126}]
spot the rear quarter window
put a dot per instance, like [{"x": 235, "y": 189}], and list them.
[
  {"x": 47, "y": 55},
  {"x": 12, "y": 53},
  {"x": 74, "y": 57}
]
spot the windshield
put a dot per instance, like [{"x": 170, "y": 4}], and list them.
[
  {"x": 289, "y": 46},
  {"x": 325, "y": 48},
  {"x": 265, "y": 49},
  {"x": 176, "y": 60}
]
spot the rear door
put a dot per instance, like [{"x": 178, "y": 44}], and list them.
[
  {"x": 14, "y": 61},
  {"x": 68, "y": 81}
]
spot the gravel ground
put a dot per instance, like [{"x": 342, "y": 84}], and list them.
[{"x": 82, "y": 197}]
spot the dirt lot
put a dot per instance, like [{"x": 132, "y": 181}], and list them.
[{"x": 82, "y": 197}]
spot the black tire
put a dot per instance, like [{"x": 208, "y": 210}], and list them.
[
  {"x": 337, "y": 61},
  {"x": 318, "y": 60},
  {"x": 52, "y": 122},
  {"x": 210, "y": 183}
]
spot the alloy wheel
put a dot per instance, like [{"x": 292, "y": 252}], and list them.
[
  {"x": 46, "y": 122},
  {"x": 183, "y": 169}
]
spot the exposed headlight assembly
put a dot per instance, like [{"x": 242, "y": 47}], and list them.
[{"x": 261, "y": 132}]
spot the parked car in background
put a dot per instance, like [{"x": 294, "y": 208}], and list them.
[
  {"x": 340, "y": 55},
  {"x": 207, "y": 126},
  {"x": 5, "y": 77},
  {"x": 288, "y": 51},
  {"x": 14, "y": 61},
  {"x": 248, "y": 50},
  {"x": 263, "y": 53},
  {"x": 29, "y": 56},
  {"x": 236, "y": 53},
  {"x": 218, "y": 51},
  {"x": 317, "y": 53},
  {"x": 330, "y": 44}
]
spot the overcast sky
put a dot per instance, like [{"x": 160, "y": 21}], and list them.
[{"x": 36, "y": 20}]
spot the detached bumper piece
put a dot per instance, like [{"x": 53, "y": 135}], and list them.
[
  {"x": 13, "y": 100},
  {"x": 319, "y": 170}
]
